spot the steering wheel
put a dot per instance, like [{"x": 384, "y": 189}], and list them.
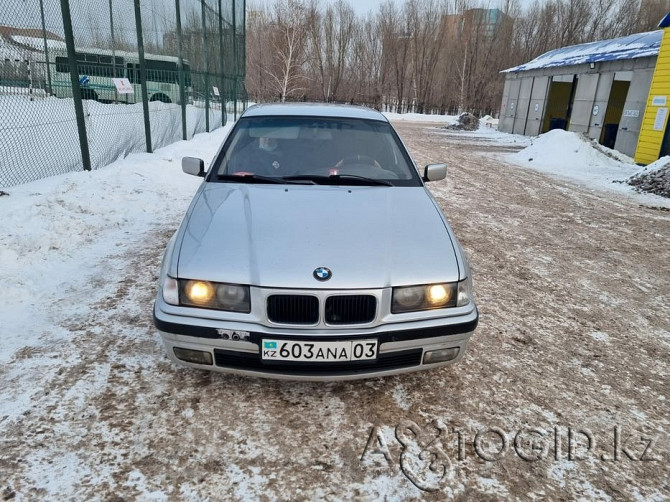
[{"x": 358, "y": 159}]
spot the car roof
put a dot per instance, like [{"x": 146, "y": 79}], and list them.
[{"x": 313, "y": 110}]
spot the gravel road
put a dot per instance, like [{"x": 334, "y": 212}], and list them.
[{"x": 573, "y": 344}]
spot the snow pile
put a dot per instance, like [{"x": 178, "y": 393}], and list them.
[
  {"x": 466, "y": 122},
  {"x": 574, "y": 156},
  {"x": 488, "y": 121},
  {"x": 571, "y": 150},
  {"x": 655, "y": 178},
  {"x": 59, "y": 232}
]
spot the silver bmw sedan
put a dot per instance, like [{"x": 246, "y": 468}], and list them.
[{"x": 313, "y": 250}]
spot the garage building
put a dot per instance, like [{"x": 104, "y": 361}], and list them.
[{"x": 600, "y": 89}]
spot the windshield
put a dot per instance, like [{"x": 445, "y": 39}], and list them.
[{"x": 324, "y": 150}]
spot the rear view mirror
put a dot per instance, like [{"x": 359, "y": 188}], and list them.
[
  {"x": 193, "y": 166},
  {"x": 435, "y": 172}
]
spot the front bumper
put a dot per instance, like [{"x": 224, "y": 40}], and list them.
[{"x": 235, "y": 346}]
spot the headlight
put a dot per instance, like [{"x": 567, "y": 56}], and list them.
[
  {"x": 428, "y": 297},
  {"x": 431, "y": 296},
  {"x": 212, "y": 295},
  {"x": 199, "y": 292}
]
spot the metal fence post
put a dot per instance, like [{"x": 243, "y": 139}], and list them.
[
  {"x": 244, "y": 51},
  {"x": 234, "y": 62},
  {"x": 182, "y": 83},
  {"x": 222, "y": 82},
  {"x": 46, "y": 48},
  {"x": 74, "y": 78},
  {"x": 143, "y": 74},
  {"x": 204, "y": 48},
  {"x": 111, "y": 30},
  {"x": 244, "y": 40}
]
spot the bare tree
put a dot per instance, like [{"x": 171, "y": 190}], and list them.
[
  {"x": 426, "y": 44},
  {"x": 288, "y": 31},
  {"x": 423, "y": 55},
  {"x": 330, "y": 36},
  {"x": 259, "y": 58}
]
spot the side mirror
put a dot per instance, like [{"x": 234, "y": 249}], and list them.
[
  {"x": 193, "y": 166},
  {"x": 435, "y": 172}
]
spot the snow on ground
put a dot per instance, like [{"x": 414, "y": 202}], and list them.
[
  {"x": 487, "y": 132},
  {"x": 26, "y": 92},
  {"x": 58, "y": 231},
  {"x": 40, "y": 137},
  {"x": 492, "y": 134},
  {"x": 419, "y": 117},
  {"x": 570, "y": 155}
]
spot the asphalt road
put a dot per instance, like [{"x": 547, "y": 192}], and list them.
[{"x": 573, "y": 346}]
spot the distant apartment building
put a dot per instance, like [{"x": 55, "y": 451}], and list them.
[{"x": 480, "y": 24}]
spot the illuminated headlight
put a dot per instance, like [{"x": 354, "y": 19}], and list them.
[
  {"x": 428, "y": 297},
  {"x": 213, "y": 295},
  {"x": 431, "y": 296},
  {"x": 199, "y": 292}
]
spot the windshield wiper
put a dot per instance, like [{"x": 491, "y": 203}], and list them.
[
  {"x": 250, "y": 178},
  {"x": 256, "y": 178},
  {"x": 337, "y": 179}
]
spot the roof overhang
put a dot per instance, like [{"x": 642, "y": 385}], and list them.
[{"x": 630, "y": 47}]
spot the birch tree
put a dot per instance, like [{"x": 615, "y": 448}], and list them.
[{"x": 287, "y": 41}]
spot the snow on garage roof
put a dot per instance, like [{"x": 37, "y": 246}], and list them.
[{"x": 634, "y": 46}]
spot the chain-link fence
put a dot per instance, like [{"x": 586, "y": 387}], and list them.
[{"x": 85, "y": 82}]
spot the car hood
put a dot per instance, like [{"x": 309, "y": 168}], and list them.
[{"x": 276, "y": 235}]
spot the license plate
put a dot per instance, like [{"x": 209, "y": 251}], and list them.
[{"x": 328, "y": 352}]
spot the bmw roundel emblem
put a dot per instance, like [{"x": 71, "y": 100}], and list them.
[{"x": 322, "y": 274}]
